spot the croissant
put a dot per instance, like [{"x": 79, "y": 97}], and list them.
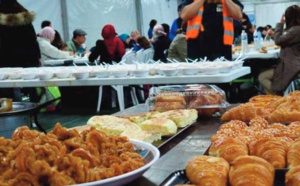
[
  {"x": 250, "y": 171},
  {"x": 272, "y": 150},
  {"x": 293, "y": 158},
  {"x": 207, "y": 170},
  {"x": 292, "y": 176},
  {"x": 258, "y": 123},
  {"x": 234, "y": 125},
  {"x": 244, "y": 112},
  {"x": 228, "y": 148}
]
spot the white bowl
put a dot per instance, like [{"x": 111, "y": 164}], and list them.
[
  {"x": 100, "y": 73},
  {"x": 189, "y": 71},
  {"x": 140, "y": 72},
  {"x": 169, "y": 72},
  {"x": 81, "y": 75},
  {"x": 15, "y": 75},
  {"x": 29, "y": 76},
  {"x": 63, "y": 74},
  {"x": 3, "y": 76},
  {"x": 209, "y": 70},
  {"x": 45, "y": 75},
  {"x": 147, "y": 149},
  {"x": 119, "y": 73}
]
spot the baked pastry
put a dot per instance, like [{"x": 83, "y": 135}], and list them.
[
  {"x": 228, "y": 148},
  {"x": 206, "y": 100},
  {"x": 141, "y": 135},
  {"x": 272, "y": 150},
  {"x": 244, "y": 112},
  {"x": 165, "y": 127},
  {"x": 169, "y": 101},
  {"x": 258, "y": 123},
  {"x": 207, "y": 170},
  {"x": 250, "y": 171},
  {"x": 264, "y": 98},
  {"x": 182, "y": 117},
  {"x": 235, "y": 125},
  {"x": 292, "y": 176},
  {"x": 293, "y": 154},
  {"x": 139, "y": 118},
  {"x": 112, "y": 125}
]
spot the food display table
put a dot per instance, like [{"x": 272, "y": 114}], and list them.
[
  {"x": 174, "y": 155},
  {"x": 129, "y": 80}
]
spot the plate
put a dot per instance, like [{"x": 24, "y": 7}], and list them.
[
  {"x": 150, "y": 155},
  {"x": 179, "y": 177}
]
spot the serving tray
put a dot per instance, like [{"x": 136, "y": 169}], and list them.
[{"x": 179, "y": 177}]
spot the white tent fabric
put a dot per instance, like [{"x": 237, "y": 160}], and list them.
[{"x": 129, "y": 15}]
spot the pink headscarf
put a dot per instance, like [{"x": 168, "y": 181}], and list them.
[{"x": 47, "y": 32}]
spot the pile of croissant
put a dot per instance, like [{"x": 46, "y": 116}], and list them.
[
  {"x": 275, "y": 143},
  {"x": 271, "y": 107}
]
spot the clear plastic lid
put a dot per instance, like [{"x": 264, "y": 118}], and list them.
[{"x": 196, "y": 96}]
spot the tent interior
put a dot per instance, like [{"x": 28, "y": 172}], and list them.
[{"x": 130, "y": 15}]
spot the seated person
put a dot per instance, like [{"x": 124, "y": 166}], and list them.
[
  {"x": 142, "y": 43},
  {"x": 58, "y": 42},
  {"x": 178, "y": 47},
  {"x": 110, "y": 49},
  {"x": 48, "y": 51},
  {"x": 76, "y": 45},
  {"x": 275, "y": 81},
  {"x": 160, "y": 43},
  {"x": 247, "y": 26},
  {"x": 127, "y": 41}
]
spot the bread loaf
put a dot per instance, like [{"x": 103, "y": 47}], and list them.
[
  {"x": 250, "y": 171},
  {"x": 160, "y": 125},
  {"x": 206, "y": 100},
  {"x": 207, "y": 170}
]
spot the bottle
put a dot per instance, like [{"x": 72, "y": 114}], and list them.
[
  {"x": 244, "y": 42},
  {"x": 256, "y": 40}
]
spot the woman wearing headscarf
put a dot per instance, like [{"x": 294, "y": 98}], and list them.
[
  {"x": 160, "y": 43},
  {"x": 110, "y": 49},
  {"x": 48, "y": 51},
  {"x": 18, "y": 45}
]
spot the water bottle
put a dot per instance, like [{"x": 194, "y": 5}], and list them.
[
  {"x": 244, "y": 42},
  {"x": 255, "y": 39}
]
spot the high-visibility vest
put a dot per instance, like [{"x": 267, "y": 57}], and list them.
[{"x": 195, "y": 25}]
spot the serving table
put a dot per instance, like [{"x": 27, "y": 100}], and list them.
[
  {"x": 157, "y": 79},
  {"x": 191, "y": 142}
]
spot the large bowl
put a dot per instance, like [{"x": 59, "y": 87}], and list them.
[
  {"x": 119, "y": 73},
  {"x": 81, "y": 75},
  {"x": 140, "y": 72},
  {"x": 150, "y": 155},
  {"x": 45, "y": 75},
  {"x": 169, "y": 72},
  {"x": 62, "y": 74}
]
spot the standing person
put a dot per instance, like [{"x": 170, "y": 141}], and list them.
[
  {"x": 18, "y": 45},
  {"x": 161, "y": 43},
  {"x": 76, "y": 45},
  {"x": 210, "y": 27},
  {"x": 152, "y": 23},
  {"x": 275, "y": 81},
  {"x": 176, "y": 23}
]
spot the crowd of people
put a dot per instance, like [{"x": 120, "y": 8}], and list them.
[{"x": 203, "y": 29}]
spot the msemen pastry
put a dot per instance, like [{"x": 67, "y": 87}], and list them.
[
  {"x": 142, "y": 135},
  {"x": 112, "y": 125},
  {"x": 164, "y": 126},
  {"x": 182, "y": 117}
]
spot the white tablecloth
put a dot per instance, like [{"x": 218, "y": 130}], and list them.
[{"x": 274, "y": 53}]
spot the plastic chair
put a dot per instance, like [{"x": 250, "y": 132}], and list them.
[
  {"x": 292, "y": 86},
  {"x": 148, "y": 54},
  {"x": 140, "y": 55},
  {"x": 129, "y": 57}
]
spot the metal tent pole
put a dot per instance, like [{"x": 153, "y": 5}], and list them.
[{"x": 64, "y": 16}]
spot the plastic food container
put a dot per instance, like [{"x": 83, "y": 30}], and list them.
[{"x": 206, "y": 99}]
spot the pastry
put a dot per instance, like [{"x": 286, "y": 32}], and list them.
[
  {"x": 212, "y": 101},
  {"x": 250, "y": 171},
  {"x": 182, "y": 117},
  {"x": 228, "y": 148},
  {"x": 207, "y": 170},
  {"x": 272, "y": 150},
  {"x": 292, "y": 176},
  {"x": 293, "y": 154},
  {"x": 244, "y": 112},
  {"x": 165, "y": 106},
  {"x": 165, "y": 127}
]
